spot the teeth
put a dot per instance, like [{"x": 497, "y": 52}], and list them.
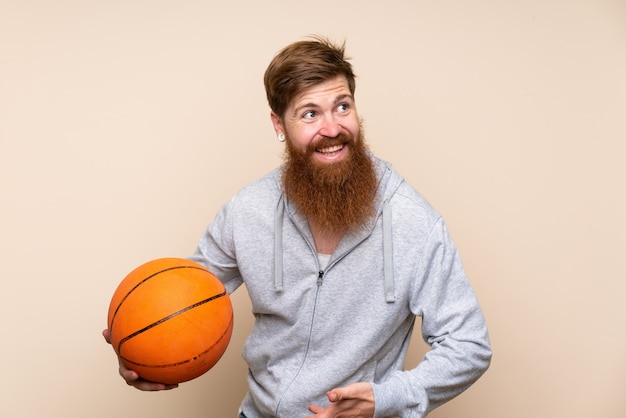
[{"x": 330, "y": 149}]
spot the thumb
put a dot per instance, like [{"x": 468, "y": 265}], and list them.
[
  {"x": 335, "y": 395},
  {"x": 107, "y": 335},
  {"x": 361, "y": 390}
]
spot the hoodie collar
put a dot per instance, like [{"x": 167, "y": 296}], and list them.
[{"x": 387, "y": 186}]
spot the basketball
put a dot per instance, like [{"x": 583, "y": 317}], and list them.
[{"x": 170, "y": 320}]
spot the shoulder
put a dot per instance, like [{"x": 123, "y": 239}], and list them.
[
  {"x": 259, "y": 196},
  {"x": 402, "y": 196}
]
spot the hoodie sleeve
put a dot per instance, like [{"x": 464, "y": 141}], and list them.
[
  {"x": 452, "y": 324},
  {"x": 216, "y": 249}
]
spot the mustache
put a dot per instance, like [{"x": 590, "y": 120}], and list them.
[{"x": 326, "y": 142}]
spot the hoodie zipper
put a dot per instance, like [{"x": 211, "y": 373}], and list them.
[{"x": 320, "y": 280}]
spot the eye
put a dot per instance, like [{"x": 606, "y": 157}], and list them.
[
  {"x": 343, "y": 107},
  {"x": 309, "y": 114}
]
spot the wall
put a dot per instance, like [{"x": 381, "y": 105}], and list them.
[{"x": 124, "y": 125}]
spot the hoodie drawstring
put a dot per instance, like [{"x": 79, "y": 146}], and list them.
[
  {"x": 387, "y": 250},
  {"x": 279, "y": 214},
  {"x": 390, "y": 296}
]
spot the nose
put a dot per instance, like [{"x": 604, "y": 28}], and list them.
[{"x": 330, "y": 128}]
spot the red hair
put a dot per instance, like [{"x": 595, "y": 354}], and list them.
[{"x": 302, "y": 65}]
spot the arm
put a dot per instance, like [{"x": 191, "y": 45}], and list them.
[
  {"x": 452, "y": 324},
  {"x": 454, "y": 327},
  {"x": 215, "y": 249},
  {"x": 211, "y": 254}
]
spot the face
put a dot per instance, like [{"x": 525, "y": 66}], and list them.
[
  {"x": 328, "y": 174},
  {"x": 320, "y": 119}
]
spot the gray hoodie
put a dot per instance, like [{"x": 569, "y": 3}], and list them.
[{"x": 352, "y": 321}]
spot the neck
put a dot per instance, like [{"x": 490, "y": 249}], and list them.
[{"x": 326, "y": 241}]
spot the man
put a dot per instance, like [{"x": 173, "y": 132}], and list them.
[{"x": 340, "y": 255}]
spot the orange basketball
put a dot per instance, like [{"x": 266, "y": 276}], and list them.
[{"x": 170, "y": 320}]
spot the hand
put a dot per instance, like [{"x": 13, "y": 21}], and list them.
[
  {"x": 132, "y": 377},
  {"x": 353, "y": 401}
]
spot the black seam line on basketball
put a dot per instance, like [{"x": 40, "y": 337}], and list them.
[
  {"x": 167, "y": 318},
  {"x": 189, "y": 360},
  {"x": 145, "y": 280}
]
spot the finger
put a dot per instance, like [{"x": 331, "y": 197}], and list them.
[
  {"x": 127, "y": 374},
  {"x": 147, "y": 386},
  {"x": 133, "y": 379},
  {"x": 361, "y": 390},
  {"x": 315, "y": 409},
  {"x": 334, "y": 395}
]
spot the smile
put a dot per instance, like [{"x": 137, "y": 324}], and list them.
[{"x": 330, "y": 150}]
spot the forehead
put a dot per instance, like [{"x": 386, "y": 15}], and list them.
[{"x": 326, "y": 92}]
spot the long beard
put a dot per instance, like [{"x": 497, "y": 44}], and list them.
[{"x": 337, "y": 196}]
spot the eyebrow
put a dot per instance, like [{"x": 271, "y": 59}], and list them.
[{"x": 310, "y": 105}]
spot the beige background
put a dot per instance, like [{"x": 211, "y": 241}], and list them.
[{"x": 124, "y": 125}]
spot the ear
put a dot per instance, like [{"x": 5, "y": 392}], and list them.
[{"x": 277, "y": 122}]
